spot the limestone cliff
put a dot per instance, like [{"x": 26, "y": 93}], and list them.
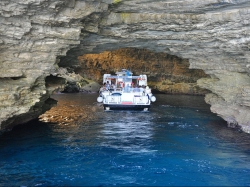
[{"x": 35, "y": 35}]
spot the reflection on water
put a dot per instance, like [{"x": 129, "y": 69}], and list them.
[
  {"x": 179, "y": 142},
  {"x": 132, "y": 135}
]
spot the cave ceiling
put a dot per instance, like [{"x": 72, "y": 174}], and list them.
[{"x": 212, "y": 31}]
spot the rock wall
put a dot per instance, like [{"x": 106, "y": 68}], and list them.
[
  {"x": 166, "y": 73},
  {"x": 36, "y": 34}
]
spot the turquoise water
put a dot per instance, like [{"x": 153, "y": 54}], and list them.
[{"x": 179, "y": 142}]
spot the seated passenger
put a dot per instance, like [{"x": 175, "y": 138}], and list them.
[
  {"x": 132, "y": 87},
  {"x": 107, "y": 85},
  {"x": 147, "y": 90},
  {"x": 136, "y": 89},
  {"x": 127, "y": 88},
  {"x": 112, "y": 87},
  {"x": 103, "y": 88}
]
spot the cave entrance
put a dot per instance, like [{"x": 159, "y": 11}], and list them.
[{"x": 166, "y": 73}]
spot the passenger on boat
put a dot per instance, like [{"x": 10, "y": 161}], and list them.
[
  {"x": 147, "y": 91},
  {"x": 121, "y": 84},
  {"x": 103, "y": 88},
  {"x": 112, "y": 87},
  {"x": 127, "y": 88},
  {"x": 132, "y": 87},
  {"x": 107, "y": 85},
  {"x": 136, "y": 89},
  {"x": 118, "y": 87}
]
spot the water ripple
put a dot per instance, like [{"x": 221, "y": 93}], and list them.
[{"x": 179, "y": 142}]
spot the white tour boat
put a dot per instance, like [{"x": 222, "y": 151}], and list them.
[{"x": 124, "y": 91}]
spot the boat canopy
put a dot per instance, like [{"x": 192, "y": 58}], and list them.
[{"x": 117, "y": 77}]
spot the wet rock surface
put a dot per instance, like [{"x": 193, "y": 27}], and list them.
[{"x": 68, "y": 112}]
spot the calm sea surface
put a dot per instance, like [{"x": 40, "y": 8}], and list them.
[{"x": 179, "y": 142}]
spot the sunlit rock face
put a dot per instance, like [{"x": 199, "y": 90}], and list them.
[
  {"x": 213, "y": 35},
  {"x": 34, "y": 34},
  {"x": 166, "y": 73}
]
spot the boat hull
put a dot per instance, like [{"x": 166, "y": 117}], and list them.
[{"x": 125, "y": 107}]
